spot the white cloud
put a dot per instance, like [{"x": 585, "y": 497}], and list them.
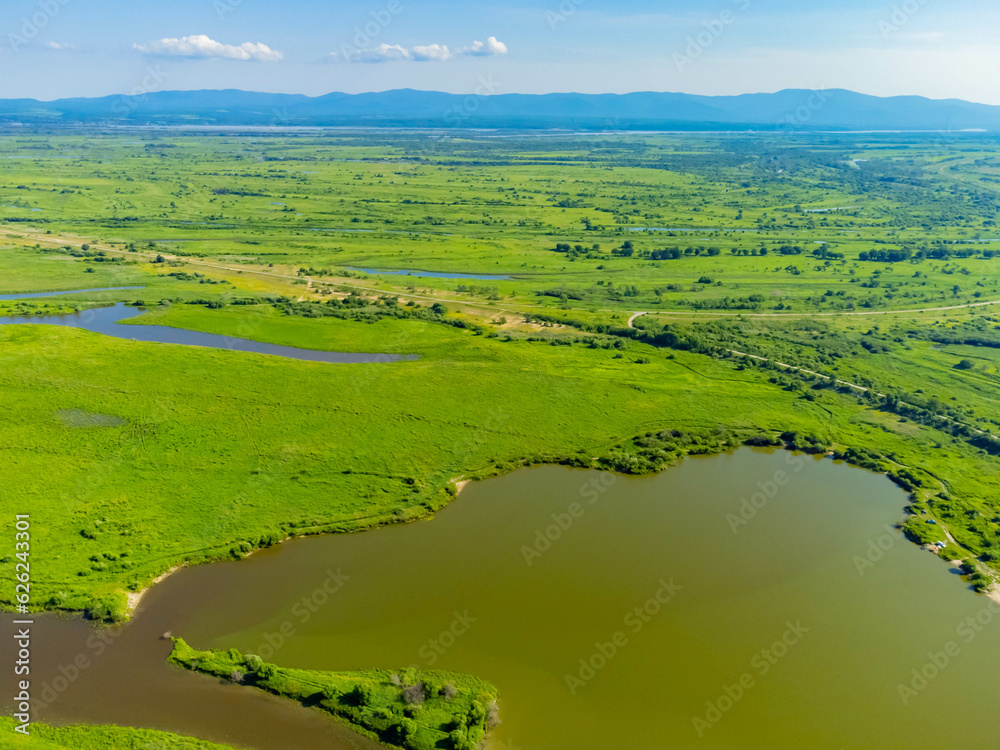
[
  {"x": 382, "y": 53},
  {"x": 200, "y": 45},
  {"x": 437, "y": 52},
  {"x": 418, "y": 53},
  {"x": 59, "y": 45},
  {"x": 492, "y": 47}
]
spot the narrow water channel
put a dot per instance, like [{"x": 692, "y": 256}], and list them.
[{"x": 105, "y": 320}]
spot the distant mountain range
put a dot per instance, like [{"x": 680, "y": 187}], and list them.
[{"x": 794, "y": 109}]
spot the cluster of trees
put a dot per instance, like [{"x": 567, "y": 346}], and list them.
[
  {"x": 319, "y": 272},
  {"x": 199, "y": 277},
  {"x": 899, "y": 255},
  {"x": 885, "y": 256},
  {"x": 751, "y": 302},
  {"x": 655, "y": 451},
  {"x": 825, "y": 253},
  {"x": 241, "y": 193},
  {"x": 356, "y": 306},
  {"x": 673, "y": 253},
  {"x": 491, "y": 292},
  {"x": 575, "y": 251}
]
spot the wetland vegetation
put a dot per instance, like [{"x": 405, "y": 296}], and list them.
[{"x": 614, "y": 302}]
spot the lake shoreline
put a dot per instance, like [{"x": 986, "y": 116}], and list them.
[
  {"x": 134, "y": 598},
  {"x": 456, "y": 485}
]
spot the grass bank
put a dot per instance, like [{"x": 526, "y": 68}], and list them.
[
  {"x": 411, "y": 709},
  {"x": 45, "y": 737}
]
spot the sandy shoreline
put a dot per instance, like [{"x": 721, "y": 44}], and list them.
[
  {"x": 134, "y": 597},
  {"x": 994, "y": 594}
]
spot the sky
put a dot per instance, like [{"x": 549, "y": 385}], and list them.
[{"x": 66, "y": 48}]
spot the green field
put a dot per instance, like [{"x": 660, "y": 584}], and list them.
[
  {"x": 189, "y": 454},
  {"x": 834, "y": 294}
]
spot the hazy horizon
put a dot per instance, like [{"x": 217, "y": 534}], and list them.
[
  {"x": 516, "y": 93},
  {"x": 52, "y": 49}
]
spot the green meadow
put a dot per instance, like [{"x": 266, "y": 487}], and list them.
[{"x": 185, "y": 455}]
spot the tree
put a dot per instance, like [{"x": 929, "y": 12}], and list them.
[
  {"x": 415, "y": 693},
  {"x": 438, "y": 309},
  {"x": 406, "y": 730},
  {"x": 627, "y": 250},
  {"x": 363, "y": 695}
]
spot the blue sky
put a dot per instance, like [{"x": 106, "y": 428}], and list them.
[{"x": 61, "y": 48}]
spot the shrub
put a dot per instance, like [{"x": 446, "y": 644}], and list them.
[
  {"x": 406, "y": 730},
  {"x": 362, "y": 695},
  {"x": 415, "y": 693}
]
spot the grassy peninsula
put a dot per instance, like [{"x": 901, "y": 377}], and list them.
[{"x": 411, "y": 709}]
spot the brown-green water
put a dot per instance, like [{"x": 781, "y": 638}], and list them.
[{"x": 457, "y": 593}]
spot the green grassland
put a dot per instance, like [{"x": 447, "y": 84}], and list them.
[
  {"x": 44, "y": 737},
  {"x": 411, "y": 709},
  {"x": 471, "y": 205},
  {"x": 193, "y": 454}
]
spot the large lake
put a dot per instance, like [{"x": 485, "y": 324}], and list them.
[{"x": 788, "y": 625}]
